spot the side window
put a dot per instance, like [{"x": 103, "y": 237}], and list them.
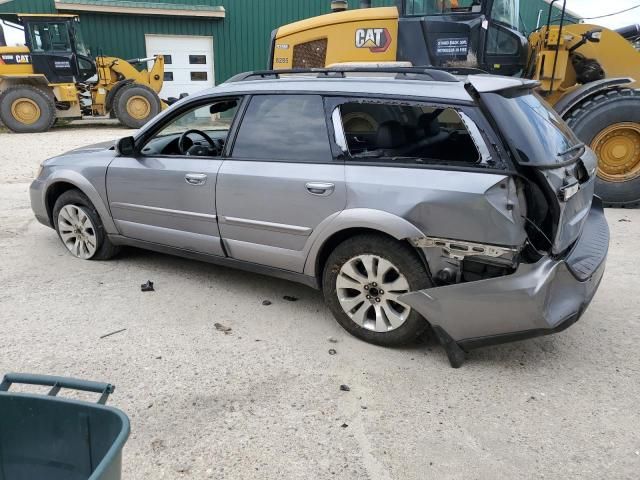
[
  {"x": 284, "y": 127},
  {"x": 407, "y": 134},
  {"x": 501, "y": 41},
  {"x": 59, "y": 35},
  {"x": 39, "y": 37},
  {"x": 506, "y": 12},
  {"x": 201, "y": 131},
  {"x": 50, "y": 37}
]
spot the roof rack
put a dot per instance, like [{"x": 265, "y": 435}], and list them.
[{"x": 415, "y": 73}]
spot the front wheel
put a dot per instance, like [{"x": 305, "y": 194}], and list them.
[
  {"x": 80, "y": 228},
  {"x": 362, "y": 280},
  {"x": 610, "y": 124},
  {"x": 134, "y": 105}
]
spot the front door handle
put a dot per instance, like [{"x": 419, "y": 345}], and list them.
[
  {"x": 321, "y": 189},
  {"x": 195, "y": 178}
]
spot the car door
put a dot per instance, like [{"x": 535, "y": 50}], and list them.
[
  {"x": 280, "y": 182},
  {"x": 166, "y": 195}
]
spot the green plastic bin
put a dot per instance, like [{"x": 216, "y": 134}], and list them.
[{"x": 45, "y": 437}]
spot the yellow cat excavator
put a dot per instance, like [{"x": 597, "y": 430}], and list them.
[
  {"x": 54, "y": 76},
  {"x": 588, "y": 73}
]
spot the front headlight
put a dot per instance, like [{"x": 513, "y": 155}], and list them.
[{"x": 39, "y": 172}]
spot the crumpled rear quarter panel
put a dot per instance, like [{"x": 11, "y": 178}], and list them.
[{"x": 463, "y": 205}]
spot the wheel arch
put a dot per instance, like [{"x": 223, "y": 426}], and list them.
[
  {"x": 354, "y": 222},
  {"x": 8, "y": 81},
  {"x": 63, "y": 181}
]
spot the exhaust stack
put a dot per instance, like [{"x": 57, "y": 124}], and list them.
[
  {"x": 339, "y": 5},
  {"x": 630, "y": 31}
]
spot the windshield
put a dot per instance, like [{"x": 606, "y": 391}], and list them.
[
  {"x": 534, "y": 130},
  {"x": 439, "y": 7}
]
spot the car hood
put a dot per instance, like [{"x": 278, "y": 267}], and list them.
[
  {"x": 98, "y": 154},
  {"x": 96, "y": 147}
]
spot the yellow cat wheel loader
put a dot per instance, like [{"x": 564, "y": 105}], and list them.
[
  {"x": 588, "y": 73},
  {"x": 54, "y": 76}
]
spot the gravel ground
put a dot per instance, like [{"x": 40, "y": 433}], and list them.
[{"x": 264, "y": 400}]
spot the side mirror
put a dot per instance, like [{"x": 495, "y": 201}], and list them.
[
  {"x": 593, "y": 35},
  {"x": 126, "y": 146}
]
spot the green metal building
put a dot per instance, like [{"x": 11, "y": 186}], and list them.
[{"x": 205, "y": 41}]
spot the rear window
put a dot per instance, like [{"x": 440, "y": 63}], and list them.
[{"x": 535, "y": 131}]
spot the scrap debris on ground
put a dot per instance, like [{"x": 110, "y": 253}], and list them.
[
  {"x": 222, "y": 328},
  {"x": 112, "y": 333}
]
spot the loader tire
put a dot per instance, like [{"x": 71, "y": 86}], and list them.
[
  {"x": 610, "y": 124},
  {"x": 134, "y": 105},
  {"x": 27, "y": 109}
]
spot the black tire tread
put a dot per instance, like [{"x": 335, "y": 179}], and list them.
[
  {"x": 588, "y": 108},
  {"x": 123, "y": 116},
  {"x": 28, "y": 91}
]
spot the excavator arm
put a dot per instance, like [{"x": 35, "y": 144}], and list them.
[{"x": 112, "y": 70}]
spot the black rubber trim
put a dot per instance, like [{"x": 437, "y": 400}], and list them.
[
  {"x": 591, "y": 249},
  {"x": 455, "y": 354},
  {"x": 219, "y": 260}
]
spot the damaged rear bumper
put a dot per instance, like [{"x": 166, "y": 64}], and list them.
[{"x": 537, "y": 299}]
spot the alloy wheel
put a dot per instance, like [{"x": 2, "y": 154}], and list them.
[
  {"x": 368, "y": 287},
  {"x": 77, "y": 231}
]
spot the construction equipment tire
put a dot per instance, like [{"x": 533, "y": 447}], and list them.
[
  {"x": 27, "y": 109},
  {"x": 134, "y": 105},
  {"x": 610, "y": 124}
]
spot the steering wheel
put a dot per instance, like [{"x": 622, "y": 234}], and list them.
[{"x": 184, "y": 148}]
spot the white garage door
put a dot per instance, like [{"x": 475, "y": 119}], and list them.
[{"x": 188, "y": 62}]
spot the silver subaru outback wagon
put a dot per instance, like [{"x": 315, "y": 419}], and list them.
[{"x": 413, "y": 199}]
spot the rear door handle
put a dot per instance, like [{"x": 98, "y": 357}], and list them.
[
  {"x": 321, "y": 189},
  {"x": 195, "y": 178}
]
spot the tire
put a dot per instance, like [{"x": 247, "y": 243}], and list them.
[
  {"x": 80, "y": 206},
  {"x": 364, "y": 320},
  {"x": 589, "y": 121},
  {"x": 27, "y": 109},
  {"x": 134, "y": 105}
]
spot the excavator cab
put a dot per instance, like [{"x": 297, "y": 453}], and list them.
[
  {"x": 462, "y": 33},
  {"x": 57, "y": 49}
]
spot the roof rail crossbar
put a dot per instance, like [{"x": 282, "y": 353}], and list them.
[{"x": 416, "y": 73}]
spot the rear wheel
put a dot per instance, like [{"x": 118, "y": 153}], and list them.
[
  {"x": 27, "y": 109},
  {"x": 362, "y": 280},
  {"x": 134, "y": 105},
  {"x": 610, "y": 124}
]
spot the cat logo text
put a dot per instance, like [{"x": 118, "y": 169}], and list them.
[{"x": 377, "y": 40}]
